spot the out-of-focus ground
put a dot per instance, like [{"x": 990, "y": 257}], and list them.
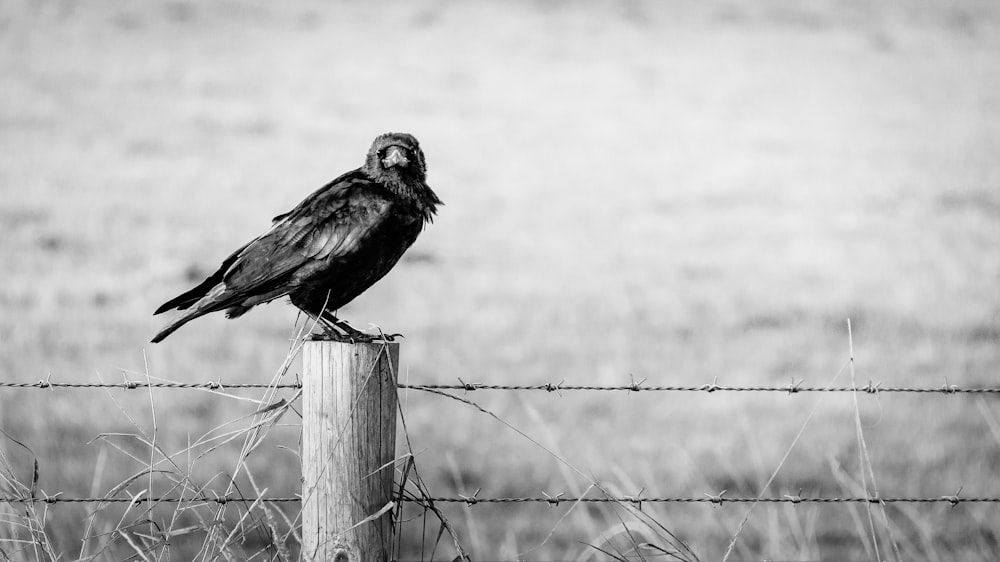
[{"x": 670, "y": 191}]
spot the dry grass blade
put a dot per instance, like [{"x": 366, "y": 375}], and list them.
[
  {"x": 27, "y": 529},
  {"x": 991, "y": 420},
  {"x": 862, "y": 449},
  {"x": 137, "y": 527},
  {"x": 865, "y": 462},
  {"x": 682, "y": 546},
  {"x": 555, "y": 527},
  {"x": 262, "y": 421},
  {"x": 634, "y": 545},
  {"x": 788, "y": 451},
  {"x": 411, "y": 476}
]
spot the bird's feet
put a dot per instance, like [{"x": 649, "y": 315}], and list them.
[
  {"x": 361, "y": 337},
  {"x": 341, "y": 331}
]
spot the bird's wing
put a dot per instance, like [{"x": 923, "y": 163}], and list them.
[{"x": 329, "y": 223}]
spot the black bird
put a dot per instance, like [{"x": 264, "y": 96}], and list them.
[{"x": 330, "y": 248}]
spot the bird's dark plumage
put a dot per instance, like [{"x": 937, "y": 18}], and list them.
[{"x": 331, "y": 247}]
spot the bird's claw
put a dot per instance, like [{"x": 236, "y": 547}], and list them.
[{"x": 355, "y": 337}]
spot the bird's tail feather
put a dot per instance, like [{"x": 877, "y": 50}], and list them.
[
  {"x": 209, "y": 286},
  {"x": 188, "y": 298},
  {"x": 214, "y": 300},
  {"x": 171, "y": 328}
]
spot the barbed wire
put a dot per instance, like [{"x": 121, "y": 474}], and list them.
[
  {"x": 794, "y": 387},
  {"x": 138, "y": 500},
  {"x": 558, "y": 499},
  {"x": 953, "y": 500},
  {"x": 134, "y": 385}
]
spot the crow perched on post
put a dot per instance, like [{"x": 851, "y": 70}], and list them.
[{"x": 330, "y": 248}]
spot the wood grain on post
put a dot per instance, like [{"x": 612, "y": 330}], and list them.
[{"x": 348, "y": 445}]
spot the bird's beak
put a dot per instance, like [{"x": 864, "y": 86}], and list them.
[{"x": 395, "y": 157}]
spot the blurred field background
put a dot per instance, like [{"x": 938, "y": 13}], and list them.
[{"x": 674, "y": 191}]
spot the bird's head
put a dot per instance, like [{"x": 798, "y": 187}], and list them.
[{"x": 395, "y": 159}]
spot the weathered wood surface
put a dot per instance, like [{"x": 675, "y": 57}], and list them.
[{"x": 348, "y": 445}]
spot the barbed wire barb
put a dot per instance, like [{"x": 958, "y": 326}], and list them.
[
  {"x": 47, "y": 383},
  {"x": 471, "y": 500},
  {"x": 795, "y": 387},
  {"x": 553, "y": 500},
  {"x": 716, "y": 499},
  {"x": 635, "y": 386},
  {"x": 468, "y": 387},
  {"x": 637, "y": 499},
  {"x": 949, "y": 388},
  {"x": 710, "y": 388},
  {"x": 128, "y": 384},
  {"x": 954, "y": 500},
  {"x": 873, "y": 389},
  {"x": 796, "y": 499},
  {"x": 549, "y": 387}
]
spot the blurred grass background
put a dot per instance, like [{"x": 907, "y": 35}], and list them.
[{"x": 675, "y": 191}]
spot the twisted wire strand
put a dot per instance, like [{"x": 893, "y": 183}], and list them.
[
  {"x": 133, "y": 385},
  {"x": 551, "y": 500},
  {"x": 870, "y": 388},
  {"x": 219, "y": 500},
  {"x": 794, "y": 388}
]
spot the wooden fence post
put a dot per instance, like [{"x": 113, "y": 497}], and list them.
[{"x": 348, "y": 446}]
